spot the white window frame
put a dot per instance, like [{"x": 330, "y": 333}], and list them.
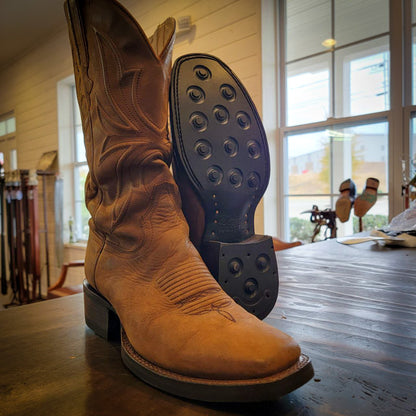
[
  {"x": 274, "y": 116},
  {"x": 67, "y": 154},
  {"x": 8, "y": 142}
]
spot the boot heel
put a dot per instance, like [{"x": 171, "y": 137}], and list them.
[
  {"x": 247, "y": 271},
  {"x": 100, "y": 315}
]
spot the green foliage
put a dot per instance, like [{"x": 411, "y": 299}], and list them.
[
  {"x": 301, "y": 229},
  {"x": 371, "y": 222}
]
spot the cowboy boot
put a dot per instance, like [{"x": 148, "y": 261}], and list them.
[
  {"x": 222, "y": 168},
  {"x": 179, "y": 331}
]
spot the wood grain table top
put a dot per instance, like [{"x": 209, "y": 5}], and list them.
[{"x": 351, "y": 308}]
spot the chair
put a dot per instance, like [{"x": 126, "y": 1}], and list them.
[
  {"x": 58, "y": 290},
  {"x": 282, "y": 245}
]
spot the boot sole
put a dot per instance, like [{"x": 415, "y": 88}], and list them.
[
  {"x": 220, "y": 144},
  {"x": 343, "y": 208},
  {"x": 103, "y": 320}
]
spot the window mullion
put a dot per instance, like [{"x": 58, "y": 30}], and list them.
[
  {"x": 364, "y": 118},
  {"x": 397, "y": 130}
]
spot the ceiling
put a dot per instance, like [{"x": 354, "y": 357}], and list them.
[{"x": 26, "y": 23}]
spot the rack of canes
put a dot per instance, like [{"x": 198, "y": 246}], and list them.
[
  {"x": 21, "y": 257},
  {"x": 2, "y": 241},
  {"x": 20, "y": 192},
  {"x": 48, "y": 173}
]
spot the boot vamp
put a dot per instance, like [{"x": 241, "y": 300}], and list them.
[
  {"x": 212, "y": 346},
  {"x": 177, "y": 316}
]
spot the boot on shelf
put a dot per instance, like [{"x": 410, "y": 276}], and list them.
[
  {"x": 346, "y": 200},
  {"x": 368, "y": 198},
  {"x": 179, "y": 331}
]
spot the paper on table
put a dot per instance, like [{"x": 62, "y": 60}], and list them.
[
  {"x": 358, "y": 240},
  {"x": 404, "y": 240}
]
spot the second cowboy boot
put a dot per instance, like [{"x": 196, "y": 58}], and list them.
[
  {"x": 179, "y": 331},
  {"x": 222, "y": 168}
]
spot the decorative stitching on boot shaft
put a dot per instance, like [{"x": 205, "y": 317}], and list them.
[{"x": 195, "y": 295}]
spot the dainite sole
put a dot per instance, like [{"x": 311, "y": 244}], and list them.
[{"x": 219, "y": 143}]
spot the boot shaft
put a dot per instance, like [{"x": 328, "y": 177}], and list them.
[{"x": 122, "y": 80}]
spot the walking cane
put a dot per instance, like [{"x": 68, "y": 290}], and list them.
[
  {"x": 10, "y": 210},
  {"x": 32, "y": 196},
  {"x": 3, "y": 248},
  {"x": 18, "y": 235}
]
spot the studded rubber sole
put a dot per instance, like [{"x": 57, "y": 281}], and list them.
[{"x": 220, "y": 144}]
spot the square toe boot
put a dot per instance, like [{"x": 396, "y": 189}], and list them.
[{"x": 145, "y": 281}]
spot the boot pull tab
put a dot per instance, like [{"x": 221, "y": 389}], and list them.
[{"x": 163, "y": 38}]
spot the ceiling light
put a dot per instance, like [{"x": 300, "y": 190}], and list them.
[{"x": 329, "y": 43}]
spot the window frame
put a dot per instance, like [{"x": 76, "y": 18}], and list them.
[
  {"x": 67, "y": 155},
  {"x": 397, "y": 117}
]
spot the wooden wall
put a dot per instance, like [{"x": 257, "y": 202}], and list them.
[{"x": 229, "y": 29}]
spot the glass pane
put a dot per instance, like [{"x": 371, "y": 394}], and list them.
[
  {"x": 308, "y": 25},
  {"x": 308, "y": 90},
  {"x": 308, "y": 163},
  {"x": 413, "y": 11},
  {"x": 79, "y": 145},
  {"x": 410, "y": 170},
  {"x": 300, "y": 226},
  {"x": 376, "y": 218},
  {"x": 2, "y": 128},
  {"x": 77, "y": 115},
  {"x": 360, "y": 152},
  {"x": 317, "y": 163},
  {"x": 414, "y": 66},
  {"x": 11, "y": 125},
  {"x": 362, "y": 78},
  {"x": 13, "y": 159},
  {"x": 413, "y": 141},
  {"x": 81, "y": 213},
  {"x": 370, "y": 155},
  {"x": 359, "y": 19}
]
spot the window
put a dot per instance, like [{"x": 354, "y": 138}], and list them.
[
  {"x": 8, "y": 141},
  {"x": 72, "y": 162},
  {"x": 81, "y": 213},
  {"x": 7, "y": 125},
  {"x": 340, "y": 107},
  {"x": 409, "y": 160},
  {"x": 319, "y": 161}
]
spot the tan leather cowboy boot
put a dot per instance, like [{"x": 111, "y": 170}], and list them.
[{"x": 179, "y": 331}]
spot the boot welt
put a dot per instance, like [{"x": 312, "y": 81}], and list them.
[
  {"x": 211, "y": 390},
  {"x": 101, "y": 317}
]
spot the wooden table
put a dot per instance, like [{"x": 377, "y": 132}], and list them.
[{"x": 352, "y": 308}]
